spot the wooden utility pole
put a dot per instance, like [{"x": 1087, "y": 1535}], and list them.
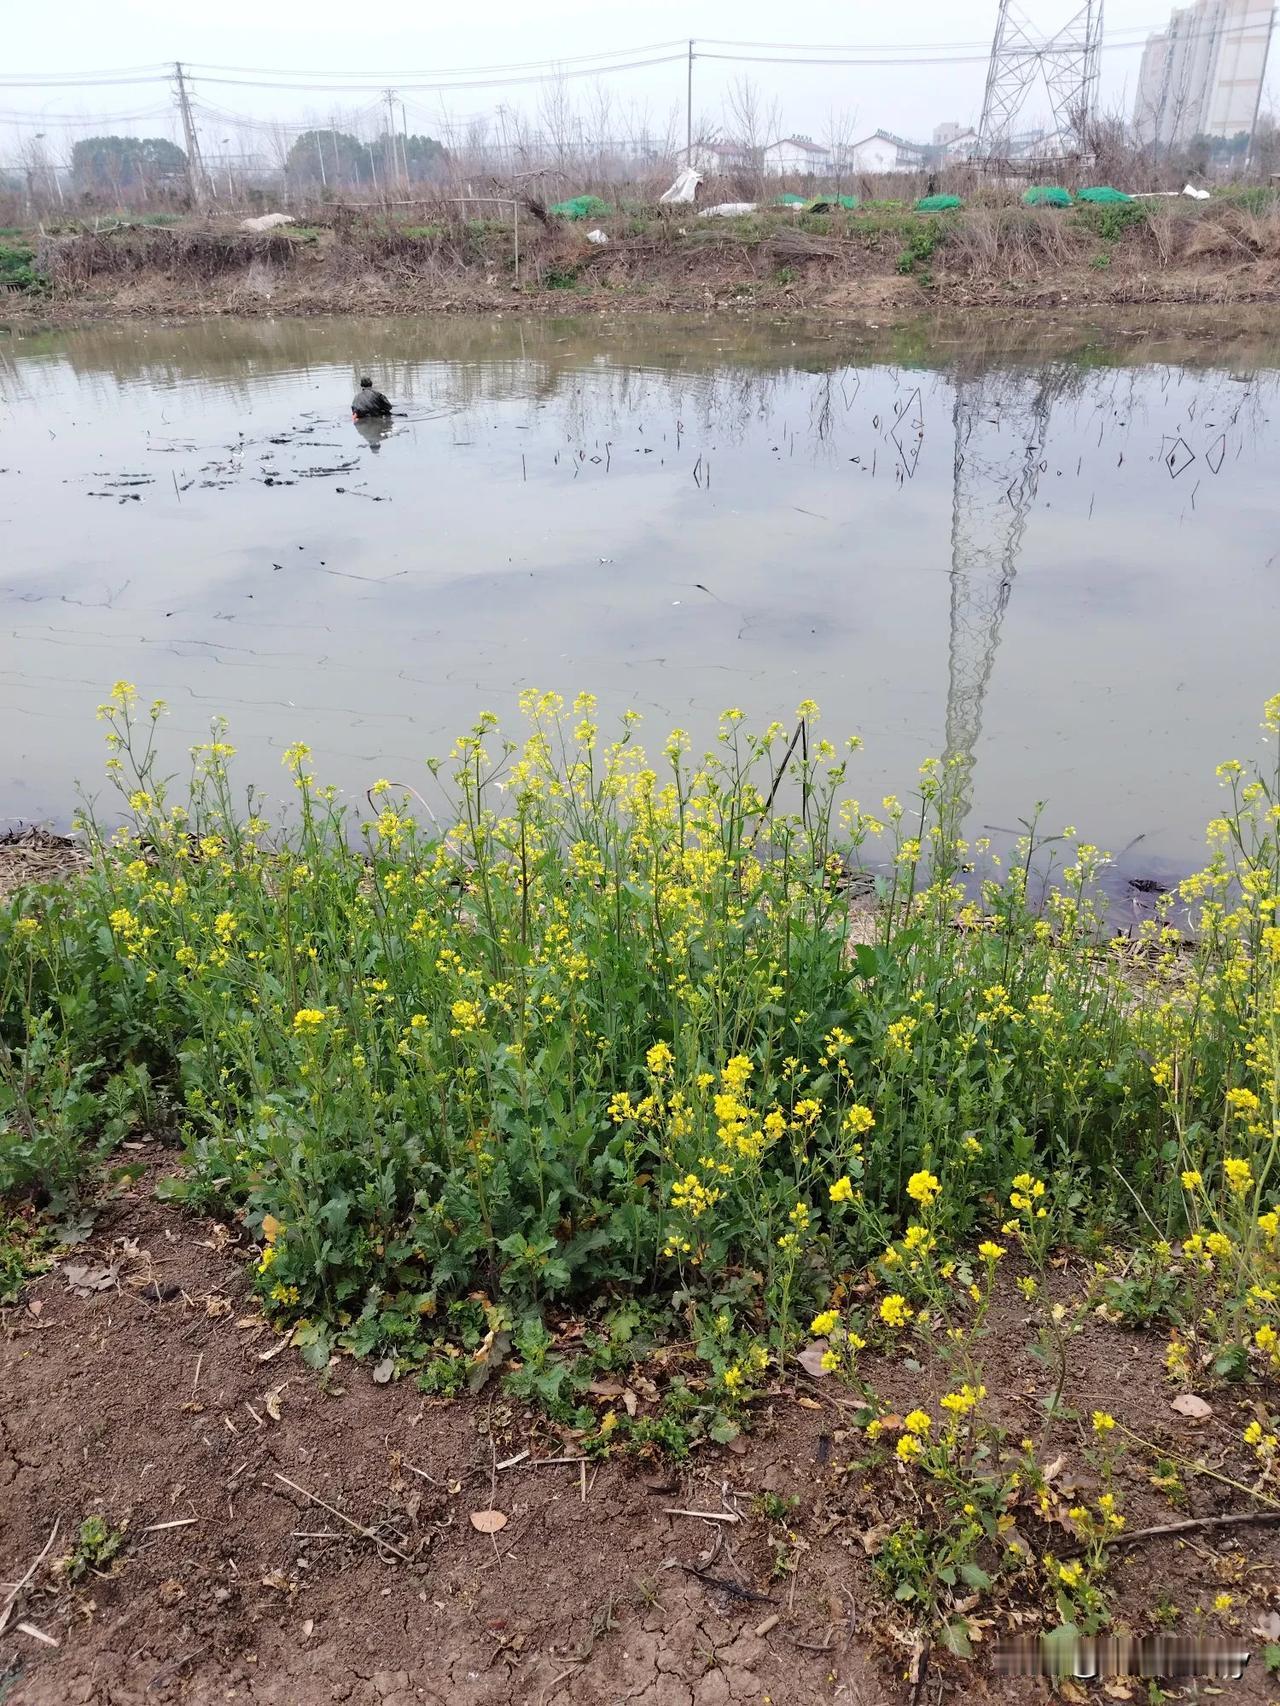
[{"x": 197, "y": 183}]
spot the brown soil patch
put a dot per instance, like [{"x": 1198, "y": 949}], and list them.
[
  {"x": 151, "y": 1401},
  {"x": 36, "y": 856}
]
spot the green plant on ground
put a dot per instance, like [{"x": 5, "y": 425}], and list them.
[
  {"x": 1109, "y": 220},
  {"x": 603, "y": 1032},
  {"x": 922, "y": 244},
  {"x": 17, "y": 269},
  {"x": 96, "y": 1545},
  {"x": 25, "y": 1250}
]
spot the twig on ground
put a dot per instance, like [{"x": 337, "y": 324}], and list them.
[
  {"x": 178, "y": 1522},
  {"x": 36, "y": 1634},
  {"x": 1187, "y": 1526},
  {"x": 7, "y": 1611},
  {"x": 707, "y": 1516},
  {"x": 921, "y": 1668},
  {"x": 810, "y": 1646},
  {"x": 175, "y": 1665},
  {"x": 727, "y": 1586},
  {"x": 356, "y": 1527},
  {"x": 510, "y": 1462}
]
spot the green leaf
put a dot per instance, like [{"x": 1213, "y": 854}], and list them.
[
  {"x": 904, "y": 1591},
  {"x": 955, "y": 1638},
  {"x": 972, "y": 1575}
]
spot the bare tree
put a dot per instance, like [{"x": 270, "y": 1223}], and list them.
[
  {"x": 555, "y": 114},
  {"x": 754, "y": 125},
  {"x": 839, "y": 135}
]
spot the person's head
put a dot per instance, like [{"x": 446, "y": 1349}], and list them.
[{"x": 366, "y": 382}]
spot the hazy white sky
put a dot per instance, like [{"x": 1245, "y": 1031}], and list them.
[{"x": 399, "y": 38}]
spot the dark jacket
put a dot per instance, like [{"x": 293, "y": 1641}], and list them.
[{"x": 367, "y": 401}]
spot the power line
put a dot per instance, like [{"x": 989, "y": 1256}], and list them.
[{"x": 459, "y": 71}]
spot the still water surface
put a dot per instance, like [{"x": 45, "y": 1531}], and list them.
[{"x": 1067, "y": 565}]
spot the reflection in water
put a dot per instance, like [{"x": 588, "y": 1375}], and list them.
[
  {"x": 373, "y": 429},
  {"x": 680, "y": 516},
  {"x": 1001, "y": 424}
]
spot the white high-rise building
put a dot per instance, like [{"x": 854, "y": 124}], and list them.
[{"x": 1202, "y": 75}]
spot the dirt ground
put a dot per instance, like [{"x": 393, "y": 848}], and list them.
[{"x": 296, "y": 1538}]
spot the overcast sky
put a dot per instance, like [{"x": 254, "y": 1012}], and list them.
[{"x": 400, "y": 38}]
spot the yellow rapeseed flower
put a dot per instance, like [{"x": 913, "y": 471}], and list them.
[
  {"x": 895, "y": 1311},
  {"x": 1103, "y": 1422},
  {"x": 1239, "y": 1174},
  {"x": 822, "y": 1324},
  {"x": 842, "y": 1190},
  {"x": 923, "y": 1187}
]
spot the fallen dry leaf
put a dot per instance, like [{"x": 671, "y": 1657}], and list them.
[
  {"x": 216, "y": 1306},
  {"x": 629, "y": 1401},
  {"x": 810, "y": 1359},
  {"x": 271, "y": 1403},
  {"x": 1051, "y": 1471},
  {"x": 270, "y": 1228},
  {"x": 1187, "y": 1404},
  {"x": 171, "y": 1591},
  {"x": 382, "y": 1371},
  {"x": 308, "y": 1626},
  {"x": 873, "y": 1538},
  {"x": 279, "y": 1581},
  {"x": 1117, "y": 1690},
  {"x": 1267, "y": 1628},
  {"x": 488, "y": 1522},
  {"x": 84, "y": 1280},
  {"x": 35, "y": 1307}
]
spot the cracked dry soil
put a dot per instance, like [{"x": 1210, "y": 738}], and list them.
[{"x": 153, "y": 1402}]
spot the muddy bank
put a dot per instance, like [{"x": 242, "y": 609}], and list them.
[
  {"x": 867, "y": 266},
  {"x": 295, "y": 1537}
]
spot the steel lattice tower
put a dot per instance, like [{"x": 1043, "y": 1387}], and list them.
[{"x": 1068, "y": 63}]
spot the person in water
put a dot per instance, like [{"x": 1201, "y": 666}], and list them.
[{"x": 368, "y": 404}]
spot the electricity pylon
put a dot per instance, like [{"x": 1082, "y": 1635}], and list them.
[{"x": 1068, "y": 64}]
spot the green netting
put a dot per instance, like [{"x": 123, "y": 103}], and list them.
[
  {"x": 938, "y": 203},
  {"x": 1104, "y": 192},
  {"x": 1047, "y": 195},
  {"x": 582, "y": 207},
  {"x": 824, "y": 203},
  {"x": 789, "y": 200}
]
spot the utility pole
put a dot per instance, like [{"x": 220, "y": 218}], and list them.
[
  {"x": 197, "y": 185},
  {"x": 688, "y": 112}
]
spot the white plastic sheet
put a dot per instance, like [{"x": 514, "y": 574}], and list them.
[{"x": 684, "y": 189}]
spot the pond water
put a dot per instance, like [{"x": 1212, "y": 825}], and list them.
[{"x": 1062, "y": 562}]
